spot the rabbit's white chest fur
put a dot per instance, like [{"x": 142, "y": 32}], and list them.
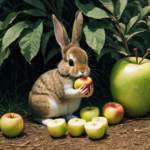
[{"x": 57, "y": 109}]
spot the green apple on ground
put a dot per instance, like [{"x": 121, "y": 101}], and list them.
[
  {"x": 79, "y": 82},
  {"x": 103, "y": 120},
  {"x": 113, "y": 111},
  {"x": 130, "y": 86},
  {"x": 95, "y": 129},
  {"x": 57, "y": 127},
  {"x": 11, "y": 124},
  {"x": 87, "y": 113},
  {"x": 76, "y": 126}
]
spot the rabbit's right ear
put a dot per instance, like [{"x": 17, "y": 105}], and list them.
[{"x": 60, "y": 33}]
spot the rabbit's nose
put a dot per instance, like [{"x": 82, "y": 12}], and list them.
[{"x": 82, "y": 71}]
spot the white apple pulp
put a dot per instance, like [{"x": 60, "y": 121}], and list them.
[{"x": 130, "y": 86}]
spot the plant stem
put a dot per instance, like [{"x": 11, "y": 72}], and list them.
[
  {"x": 136, "y": 54},
  {"x": 148, "y": 52}
]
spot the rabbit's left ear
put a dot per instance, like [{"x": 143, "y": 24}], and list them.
[
  {"x": 77, "y": 28},
  {"x": 60, "y": 33}
]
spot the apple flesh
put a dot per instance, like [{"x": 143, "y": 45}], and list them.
[
  {"x": 57, "y": 127},
  {"x": 87, "y": 113},
  {"x": 11, "y": 124},
  {"x": 76, "y": 126},
  {"x": 95, "y": 129},
  {"x": 79, "y": 82},
  {"x": 103, "y": 120},
  {"x": 114, "y": 112},
  {"x": 130, "y": 86}
]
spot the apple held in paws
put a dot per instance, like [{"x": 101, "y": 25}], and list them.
[
  {"x": 76, "y": 126},
  {"x": 79, "y": 82},
  {"x": 11, "y": 124},
  {"x": 87, "y": 113},
  {"x": 57, "y": 127},
  {"x": 103, "y": 120},
  {"x": 114, "y": 112},
  {"x": 95, "y": 129}
]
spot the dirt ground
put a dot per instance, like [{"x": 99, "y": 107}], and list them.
[{"x": 130, "y": 134}]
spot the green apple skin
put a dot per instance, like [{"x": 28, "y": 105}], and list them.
[
  {"x": 95, "y": 133},
  {"x": 58, "y": 131},
  {"x": 79, "y": 82},
  {"x": 76, "y": 130},
  {"x": 113, "y": 111},
  {"x": 130, "y": 86},
  {"x": 87, "y": 113},
  {"x": 11, "y": 127}
]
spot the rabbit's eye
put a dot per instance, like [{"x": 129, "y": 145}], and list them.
[{"x": 71, "y": 62}]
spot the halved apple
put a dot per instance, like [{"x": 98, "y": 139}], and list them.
[
  {"x": 95, "y": 129},
  {"x": 103, "y": 120},
  {"x": 76, "y": 126},
  {"x": 57, "y": 127}
]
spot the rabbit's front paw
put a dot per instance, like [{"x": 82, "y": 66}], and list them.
[{"x": 82, "y": 91}]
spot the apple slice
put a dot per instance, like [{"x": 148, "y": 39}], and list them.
[
  {"x": 103, "y": 120},
  {"x": 76, "y": 126},
  {"x": 95, "y": 129},
  {"x": 57, "y": 127},
  {"x": 87, "y": 113}
]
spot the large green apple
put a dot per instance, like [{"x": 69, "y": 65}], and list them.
[{"x": 130, "y": 86}]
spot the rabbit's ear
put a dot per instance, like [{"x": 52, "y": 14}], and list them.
[
  {"x": 60, "y": 33},
  {"x": 77, "y": 28}
]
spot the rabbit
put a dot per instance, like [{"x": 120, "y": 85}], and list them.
[{"x": 53, "y": 93}]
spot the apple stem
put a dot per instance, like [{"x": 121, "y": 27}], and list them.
[
  {"x": 148, "y": 51},
  {"x": 12, "y": 115},
  {"x": 136, "y": 54}
]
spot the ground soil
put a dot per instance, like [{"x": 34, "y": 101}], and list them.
[{"x": 130, "y": 134}]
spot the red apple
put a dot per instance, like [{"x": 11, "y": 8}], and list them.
[
  {"x": 11, "y": 124},
  {"x": 79, "y": 82},
  {"x": 113, "y": 111}
]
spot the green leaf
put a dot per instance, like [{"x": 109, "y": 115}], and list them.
[
  {"x": 13, "y": 33},
  {"x": 118, "y": 48},
  {"x": 108, "y": 4},
  {"x": 95, "y": 36},
  {"x": 4, "y": 55},
  {"x": 49, "y": 24},
  {"x": 51, "y": 54},
  {"x": 9, "y": 19},
  {"x": 122, "y": 27},
  {"x": 137, "y": 19},
  {"x": 36, "y": 3},
  {"x": 45, "y": 40},
  {"x": 30, "y": 41},
  {"x": 138, "y": 31},
  {"x": 120, "y": 6},
  {"x": 92, "y": 11},
  {"x": 34, "y": 12}
]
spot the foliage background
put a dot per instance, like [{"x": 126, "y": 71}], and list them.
[{"x": 20, "y": 70}]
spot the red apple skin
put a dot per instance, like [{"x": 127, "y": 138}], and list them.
[
  {"x": 79, "y": 82},
  {"x": 11, "y": 127},
  {"x": 113, "y": 111}
]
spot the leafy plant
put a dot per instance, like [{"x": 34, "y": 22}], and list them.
[{"x": 122, "y": 31}]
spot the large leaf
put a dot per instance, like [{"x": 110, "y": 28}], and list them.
[
  {"x": 138, "y": 31},
  {"x": 34, "y": 12},
  {"x": 45, "y": 40},
  {"x": 9, "y": 19},
  {"x": 37, "y": 4},
  {"x": 92, "y": 11},
  {"x": 95, "y": 36},
  {"x": 135, "y": 20},
  {"x": 51, "y": 54},
  {"x": 13, "y": 33},
  {"x": 120, "y": 6},
  {"x": 30, "y": 41},
  {"x": 108, "y": 4},
  {"x": 118, "y": 48}
]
